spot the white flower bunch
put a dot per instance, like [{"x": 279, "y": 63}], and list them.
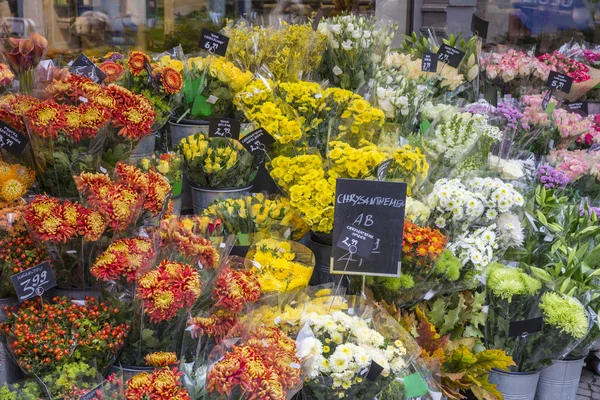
[
  {"x": 441, "y": 111},
  {"x": 510, "y": 230},
  {"x": 477, "y": 247},
  {"x": 477, "y": 200},
  {"x": 416, "y": 211},
  {"x": 343, "y": 348}
]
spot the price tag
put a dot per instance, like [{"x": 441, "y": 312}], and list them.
[
  {"x": 377, "y": 207},
  {"x": 450, "y": 55},
  {"x": 224, "y": 127},
  {"x": 374, "y": 371},
  {"x": 85, "y": 67},
  {"x": 429, "y": 62},
  {"x": 518, "y": 328},
  {"x": 490, "y": 94},
  {"x": 560, "y": 82},
  {"x": 33, "y": 281},
  {"x": 92, "y": 394},
  {"x": 384, "y": 168},
  {"x": 479, "y": 26},
  {"x": 357, "y": 241},
  {"x": 580, "y": 107},
  {"x": 213, "y": 42},
  {"x": 12, "y": 140},
  {"x": 258, "y": 141}
]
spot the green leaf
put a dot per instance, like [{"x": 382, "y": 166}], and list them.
[
  {"x": 541, "y": 274},
  {"x": 437, "y": 312}
]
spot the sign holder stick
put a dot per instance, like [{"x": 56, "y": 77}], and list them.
[{"x": 352, "y": 249}]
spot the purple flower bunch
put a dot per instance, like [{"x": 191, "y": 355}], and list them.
[
  {"x": 595, "y": 210},
  {"x": 510, "y": 113},
  {"x": 552, "y": 178}
]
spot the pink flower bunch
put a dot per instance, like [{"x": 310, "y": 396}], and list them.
[
  {"x": 563, "y": 64},
  {"x": 575, "y": 163},
  {"x": 513, "y": 65},
  {"x": 591, "y": 56},
  {"x": 570, "y": 124},
  {"x": 533, "y": 114}
]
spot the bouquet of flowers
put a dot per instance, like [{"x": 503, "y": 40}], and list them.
[
  {"x": 15, "y": 180},
  {"x": 281, "y": 265},
  {"x": 6, "y": 77},
  {"x": 158, "y": 83},
  {"x": 13, "y": 108},
  {"x": 565, "y": 65},
  {"x": 354, "y": 47},
  {"x": 209, "y": 87},
  {"x": 68, "y": 231},
  {"x": 62, "y": 339},
  {"x": 217, "y": 162},
  {"x": 580, "y": 168},
  {"x": 23, "y": 55},
  {"x": 409, "y": 165},
  {"x": 257, "y": 213},
  {"x": 289, "y": 52},
  {"x": 164, "y": 382},
  {"x": 168, "y": 165},
  {"x": 355, "y": 353}
]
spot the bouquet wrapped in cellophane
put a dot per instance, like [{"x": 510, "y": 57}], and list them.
[
  {"x": 217, "y": 162},
  {"x": 163, "y": 381},
  {"x": 168, "y": 165}
]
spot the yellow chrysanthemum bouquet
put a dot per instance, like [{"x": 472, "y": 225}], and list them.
[
  {"x": 281, "y": 265},
  {"x": 209, "y": 86},
  {"x": 216, "y": 162},
  {"x": 15, "y": 180},
  {"x": 288, "y": 52},
  {"x": 257, "y": 213}
]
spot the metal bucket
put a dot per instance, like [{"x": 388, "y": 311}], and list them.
[
  {"x": 560, "y": 381},
  {"x": 9, "y": 370},
  {"x": 321, "y": 272},
  {"x": 515, "y": 385},
  {"x": 183, "y": 129},
  {"x": 202, "y": 197},
  {"x": 177, "y": 205},
  {"x": 145, "y": 147}
]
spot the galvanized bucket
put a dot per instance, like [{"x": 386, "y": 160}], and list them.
[
  {"x": 9, "y": 370},
  {"x": 202, "y": 197},
  {"x": 145, "y": 147},
  {"x": 321, "y": 272},
  {"x": 184, "y": 128},
  {"x": 515, "y": 385},
  {"x": 177, "y": 204},
  {"x": 560, "y": 380}
]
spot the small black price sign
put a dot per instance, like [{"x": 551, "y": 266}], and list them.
[
  {"x": 213, "y": 42},
  {"x": 374, "y": 371},
  {"x": 357, "y": 241},
  {"x": 580, "y": 107},
  {"x": 383, "y": 169},
  {"x": 560, "y": 82},
  {"x": 92, "y": 394},
  {"x": 33, "y": 281},
  {"x": 374, "y": 206},
  {"x": 12, "y": 140},
  {"x": 258, "y": 141},
  {"x": 479, "y": 26},
  {"x": 429, "y": 62},
  {"x": 490, "y": 93},
  {"x": 450, "y": 55},
  {"x": 85, "y": 67},
  {"x": 224, "y": 127},
  {"x": 524, "y": 327}
]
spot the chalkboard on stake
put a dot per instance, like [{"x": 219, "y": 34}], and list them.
[
  {"x": 224, "y": 127},
  {"x": 33, "y": 281},
  {"x": 377, "y": 208},
  {"x": 12, "y": 140},
  {"x": 86, "y": 68}
]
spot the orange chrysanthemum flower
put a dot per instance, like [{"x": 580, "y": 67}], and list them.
[
  {"x": 137, "y": 62},
  {"x": 113, "y": 71},
  {"x": 236, "y": 288},
  {"x": 46, "y": 119},
  {"x": 216, "y": 325},
  {"x": 169, "y": 288},
  {"x": 53, "y": 221},
  {"x": 124, "y": 258},
  {"x": 422, "y": 245},
  {"x": 171, "y": 80},
  {"x": 133, "y": 113},
  {"x": 189, "y": 242},
  {"x": 161, "y": 384},
  {"x": 161, "y": 359}
]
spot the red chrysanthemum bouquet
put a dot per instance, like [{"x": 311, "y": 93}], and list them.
[
  {"x": 65, "y": 139},
  {"x": 160, "y": 82},
  {"x": 63, "y": 343},
  {"x": 164, "y": 296},
  {"x": 262, "y": 365},
  {"x": 68, "y": 230},
  {"x": 163, "y": 383}
]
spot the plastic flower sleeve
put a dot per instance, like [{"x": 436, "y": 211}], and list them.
[{"x": 281, "y": 265}]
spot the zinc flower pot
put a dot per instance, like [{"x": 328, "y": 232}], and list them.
[
  {"x": 202, "y": 197},
  {"x": 560, "y": 380},
  {"x": 184, "y": 128},
  {"x": 144, "y": 148},
  {"x": 515, "y": 385},
  {"x": 9, "y": 371},
  {"x": 321, "y": 272}
]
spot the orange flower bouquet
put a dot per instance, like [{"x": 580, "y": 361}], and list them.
[
  {"x": 164, "y": 383},
  {"x": 65, "y": 139},
  {"x": 68, "y": 230}
]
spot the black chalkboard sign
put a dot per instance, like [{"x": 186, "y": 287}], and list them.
[
  {"x": 429, "y": 62},
  {"x": 580, "y": 107},
  {"x": 450, "y": 55},
  {"x": 258, "y": 141},
  {"x": 224, "y": 127},
  {"x": 213, "y": 42},
  {"x": 12, "y": 140},
  {"x": 490, "y": 93},
  {"x": 85, "y": 67},
  {"x": 33, "y": 281},
  {"x": 560, "y": 82},
  {"x": 379, "y": 208},
  {"x": 479, "y": 26},
  {"x": 518, "y": 328},
  {"x": 357, "y": 241}
]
